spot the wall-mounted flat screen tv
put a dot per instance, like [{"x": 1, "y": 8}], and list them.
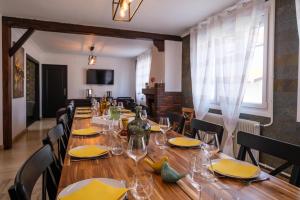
[{"x": 100, "y": 76}]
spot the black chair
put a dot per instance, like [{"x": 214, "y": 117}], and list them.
[
  {"x": 59, "y": 113},
  {"x": 65, "y": 122},
  {"x": 55, "y": 138},
  {"x": 177, "y": 121},
  {"x": 286, "y": 151},
  {"x": 40, "y": 163},
  {"x": 70, "y": 114},
  {"x": 200, "y": 125}
]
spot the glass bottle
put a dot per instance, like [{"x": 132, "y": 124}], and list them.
[{"x": 139, "y": 126}]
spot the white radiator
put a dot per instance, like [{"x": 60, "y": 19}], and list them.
[{"x": 243, "y": 125}]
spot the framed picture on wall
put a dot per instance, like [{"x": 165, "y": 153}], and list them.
[{"x": 18, "y": 74}]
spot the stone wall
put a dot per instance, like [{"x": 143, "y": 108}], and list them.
[{"x": 285, "y": 127}]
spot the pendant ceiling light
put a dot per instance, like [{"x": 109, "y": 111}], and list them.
[
  {"x": 92, "y": 57},
  {"x": 124, "y": 10}
]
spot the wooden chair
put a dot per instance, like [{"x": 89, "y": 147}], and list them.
[
  {"x": 200, "y": 125},
  {"x": 55, "y": 138},
  {"x": 283, "y": 150},
  {"x": 177, "y": 121},
  {"x": 40, "y": 163},
  {"x": 189, "y": 115},
  {"x": 70, "y": 114}
]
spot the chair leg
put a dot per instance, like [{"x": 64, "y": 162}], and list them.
[
  {"x": 242, "y": 153},
  {"x": 295, "y": 176}
]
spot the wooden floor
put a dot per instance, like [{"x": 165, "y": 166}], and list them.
[{"x": 23, "y": 147}]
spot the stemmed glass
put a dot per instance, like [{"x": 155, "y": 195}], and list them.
[
  {"x": 141, "y": 186},
  {"x": 137, "y": 148},
  {"x": 161, "y": 137},
  {"x": 120, "y": 105},
  {"x": 210, "y": 142}
]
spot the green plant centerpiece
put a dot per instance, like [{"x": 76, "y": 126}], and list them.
[{"x": 139, "y": 126}]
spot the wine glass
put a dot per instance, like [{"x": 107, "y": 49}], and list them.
[
  {"x": 210, "y": 142},
  {"x": 117, "y": 146},
  {"x": 161, "y": 140},
  {"x": 141, "y": 186},
  {"x": 136, "y": 148},
  {"x": 143, "y": 115},
  {"x": 164, "y": 124}
]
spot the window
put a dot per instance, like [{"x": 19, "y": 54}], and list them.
[{"x": 256, "y": 88}]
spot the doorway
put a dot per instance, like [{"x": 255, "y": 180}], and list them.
[
  {"x": 32, "y": 90},
  {"x": 54, "y": 88}
]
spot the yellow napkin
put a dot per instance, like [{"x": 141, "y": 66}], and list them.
[
  {"x": 155, "y": 128},
  {"x": 83, "y": 111},
  {"x": 125, "y": 111},
  {"x": 96, "y": 190},
  {"x": 83, "y": 108},
  {"x": 87, "y": 151},
  {"x": 184, "y": 142},
  {"x": 83, "y": 116},
  {"x": 85, "y": 131},
  {"x": 235, "y": 168}
]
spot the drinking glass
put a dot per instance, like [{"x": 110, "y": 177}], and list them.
[
  {"x": 120, "y": 105},
  {"x": 136, "y": 148},
  {"x": 117, "y": 146},
  {"x": 141, "y": 186},
  {"x": 143, "y": 114},
  {"x": 164, "y": 124},
  {"x": 210, "y": 142},
  {"x": 161, "y": 140},
  {"x": 199, "y": 169}
]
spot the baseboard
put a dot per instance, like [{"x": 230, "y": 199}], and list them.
[{"x": 19, "y": 135}]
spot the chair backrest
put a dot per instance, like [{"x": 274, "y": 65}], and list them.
[
  {"x": 38, "y": 164},
  {"x": 55, "y": 138},
  {"x": 189, "y": 113},
  {"x": 283, "y": 150},
  {"x": 177, "y": 121},
  {"x": 65, "y": 122},
  {"x": 59, "y": 113},
  {"x": 70, "y": 113},
  {"x": 200, "y": 125}
]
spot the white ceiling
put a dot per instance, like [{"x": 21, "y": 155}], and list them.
[
  {"x": 80, "y": 44},
  {"x": 157, "y": 16}
]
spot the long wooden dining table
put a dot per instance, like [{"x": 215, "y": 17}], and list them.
[{"x": 122, "y": 168}]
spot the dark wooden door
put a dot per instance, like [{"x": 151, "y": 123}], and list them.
[
  {"x": 54, "y": 88},
  {"x": 32, "y": 90}
]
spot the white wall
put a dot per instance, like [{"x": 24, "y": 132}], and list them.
[
  {"x": 173, "y": 63},
  {"x": 19, "y": 104},
  {"x": 158, "y": 65},
  {"x": 1, "y": 113},
  {"x": 124, "y": 74}
]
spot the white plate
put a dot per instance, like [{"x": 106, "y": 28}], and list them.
[
  {"x": 80, "y": 147},
  {"x": 231, "y": 176},
  {"x": 76, "y": 186}
]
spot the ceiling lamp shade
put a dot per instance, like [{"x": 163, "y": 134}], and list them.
[
  {"x": 124, "y": 10},
  {"x": 92, "y": 57}
]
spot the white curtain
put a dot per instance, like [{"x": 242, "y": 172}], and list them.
[
  {"x": 221, "y": 50},
  {"x": 143, "y": 66},
  {"x": 297, "y": 2}
]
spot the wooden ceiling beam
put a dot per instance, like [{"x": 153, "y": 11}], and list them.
[
  {"x": 20, "y": 42},
  {"x": 85, "y": 30}
]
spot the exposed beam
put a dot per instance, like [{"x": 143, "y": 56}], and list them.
[
  {"x": 20, "y": 42},
  {"x": 160, "y": 45},
  {"x": 6, "y": 86},
  {"x": 85, "y": 30}
]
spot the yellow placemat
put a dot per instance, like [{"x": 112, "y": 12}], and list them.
[
  {"x": 96, "y": 190},
  {"x": 125, "y": 111},
  {"x": 184, "y": 142},
  {"x": 127, "y": 115},
  {"x": 87, "y": 151},
  {"x": 235, "y": 168},
  {"x": 85, "y": 131},
  {"x": 155, "y": 128},
  {"x": 82, "y": 116}
]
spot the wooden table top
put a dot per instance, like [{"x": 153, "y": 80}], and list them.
[{"x": 122, "y": 168}]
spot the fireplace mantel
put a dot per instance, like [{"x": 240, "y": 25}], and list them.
[{"x": 160, "y": 102}]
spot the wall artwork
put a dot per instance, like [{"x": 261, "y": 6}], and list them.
[{"x": 18, "y": 74}]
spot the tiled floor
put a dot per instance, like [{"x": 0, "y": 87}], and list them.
[{"x": 11, "y": 160}]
